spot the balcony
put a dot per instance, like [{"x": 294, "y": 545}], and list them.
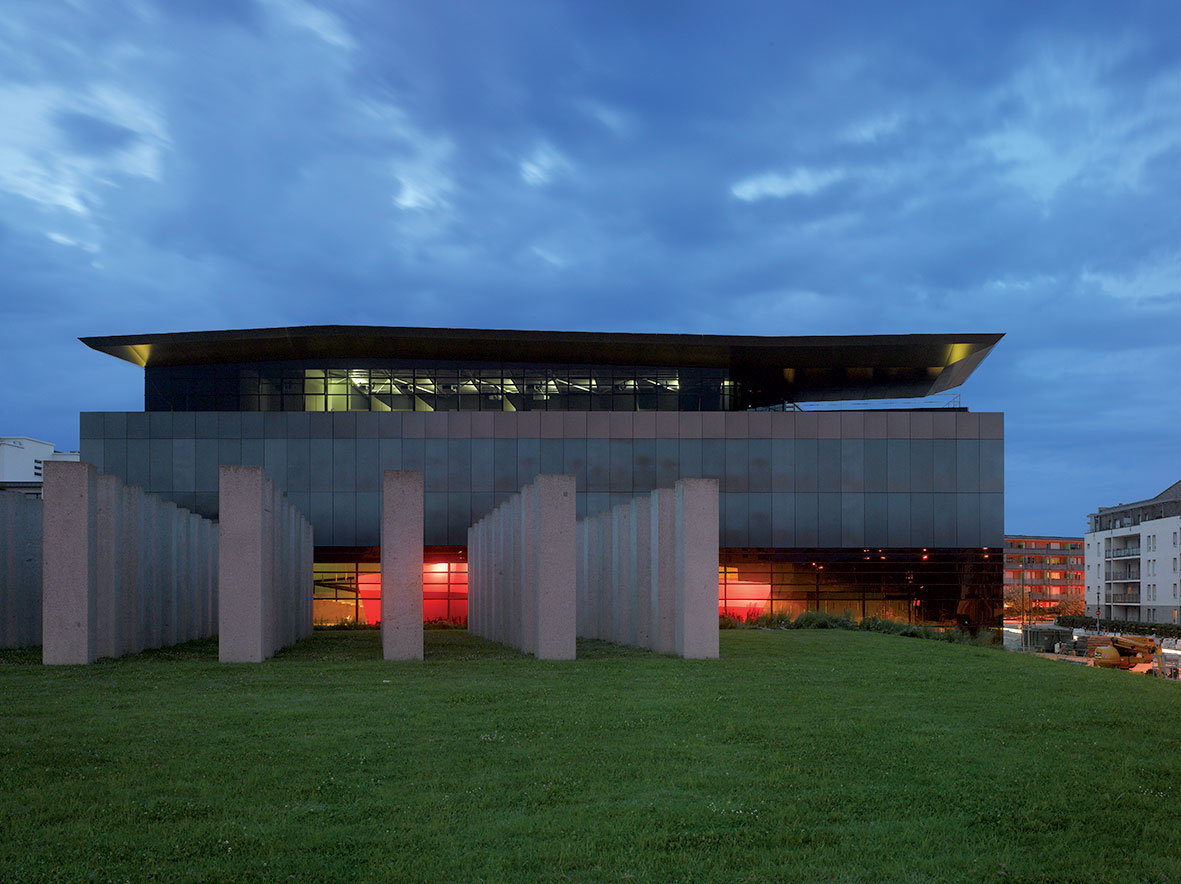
[
  {"x": 1126, "y": 598},
  {"x": 1123, "y": 578},
  {"x": 1121, "y": 553}
]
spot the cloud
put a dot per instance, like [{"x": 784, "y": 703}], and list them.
[
  {"x": 323, "y": 24},
  {"x": 871, "y": 130},
  {"x": 773, "y": 185},
  {"x": 1154, "y": 283},
  {"x": 540, "y": 167},
  {"x": 63, "y": 150},
  {"x": 1069, "y": 119}
]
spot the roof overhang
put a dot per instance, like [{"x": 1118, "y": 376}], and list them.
[{"x": 775, "y": 369}]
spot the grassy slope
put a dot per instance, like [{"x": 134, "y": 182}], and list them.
[{"x": 801, "y": 755}]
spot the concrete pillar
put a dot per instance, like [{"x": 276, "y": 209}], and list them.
[
  {"x": 146, "y": 584},
  {"x": 401, "y": 565},
  {"x": 640, "y": 563},
  {"x": 580, "y": 579},
  {"x": 472, "y": 580},
  {"x": 69, "y": 574},
  {"x": 169, "y": 540},
  {"x": 606, "y": 581},
  {"x": 516, "y": 569},
  {"x": 243, "y": 562},
  {"x": 194, "y": 569},
  {"x": 497, "y": 568},
  {"x": 623, "y": 599},
  {"x": 272, "y": 573},
  {"x": 128, "y": 576},
  {"x": 697, "y": 568},
  {"x": 663, "y": 559},
  {"x": 215, "y": 577},
  {"x": 308, "y": 574},
  {"x": 554, "y": 515},
  {"x": 184, "y": 578},
  {"x": 529, "y": 552},
  {"x": 108, "y": 576}
]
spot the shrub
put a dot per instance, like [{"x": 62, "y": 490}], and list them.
[
  {"x": 823, "y": 620},
  {"x": 1130, "y": 627},
  {"x": 772, "y": 621},
  {"x": 345, "y": 624}
]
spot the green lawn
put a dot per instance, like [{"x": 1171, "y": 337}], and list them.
[{"x": 799, "y": 756}]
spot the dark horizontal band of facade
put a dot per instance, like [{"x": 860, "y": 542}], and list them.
[
  {"x": 942, "y": 485},
  {"x": 943, "y": 423},
  {"x": 771, "y": 369}
]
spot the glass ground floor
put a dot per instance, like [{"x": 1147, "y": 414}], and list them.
[{"x": 939, "y": 587}]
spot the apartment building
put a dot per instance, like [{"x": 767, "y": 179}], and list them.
[
  {"x": 1132, "y": 557},
  {"x": 1044, "y": 573}
]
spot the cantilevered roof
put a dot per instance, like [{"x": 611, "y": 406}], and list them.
[{"x": 772, "y": 369}]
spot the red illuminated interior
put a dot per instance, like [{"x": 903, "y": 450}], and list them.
[
  {"x": 350, "y": 592},
  {"x": 744, "y": 599}
]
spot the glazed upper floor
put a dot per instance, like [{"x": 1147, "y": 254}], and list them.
[{"x": 351, "y": 368}]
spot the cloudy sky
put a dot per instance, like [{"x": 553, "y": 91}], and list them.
[{"x": 746, "y": 168}]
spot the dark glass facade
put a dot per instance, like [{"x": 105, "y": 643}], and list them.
[
  {"x": 937, "y": 587},
  {"x": 389, "y": 385}
]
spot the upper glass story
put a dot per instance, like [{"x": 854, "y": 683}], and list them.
[
  {"x": 377, "y": 368},
  {"x": 337, "y": 385}
]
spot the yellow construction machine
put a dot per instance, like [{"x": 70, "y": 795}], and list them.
[{"x": 1133, "y": 653}]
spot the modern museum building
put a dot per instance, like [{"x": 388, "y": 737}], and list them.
[{"x": 891, "y": 512}]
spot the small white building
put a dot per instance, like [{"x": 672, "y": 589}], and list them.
[
  {"x": 22, "y": 461},
  {"x": 1132, "y": 557}
]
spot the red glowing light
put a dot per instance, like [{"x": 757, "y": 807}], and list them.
[{"x": 743, "y": 599}]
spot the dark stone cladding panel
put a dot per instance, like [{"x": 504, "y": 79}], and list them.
[{"x": 788, "y": 479}]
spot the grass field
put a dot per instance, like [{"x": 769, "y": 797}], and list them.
[{"x": 799, "y": 756}]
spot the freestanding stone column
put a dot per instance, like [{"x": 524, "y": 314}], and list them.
[
  {"x": 521, "y": 570},
  {"x": 260, "y": 547},
  {"x": 663, "y": 599},
  {"x": 244, "y": 561},
  {"x": 697, "y": 567},
  {"x": 640, "y": 563},
  {"x": 554, "y": 545},
  {"x": 527, "y": 541},
  {"x": 401, "y": 564},
  {"x": 108, "y": 573},
  {"x": 69, "y": 613},
  {"x": 606, "y": 581},
  {"x": 623, "y": 614}
]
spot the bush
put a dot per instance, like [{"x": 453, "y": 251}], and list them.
[
  {"x": 345, "y": 624},
  {"x": 725, "y": 621},
  {"x": 823, "y": 620},
  {"x": 1130, "y": 627},
  {"x": 772, "y": 621}
]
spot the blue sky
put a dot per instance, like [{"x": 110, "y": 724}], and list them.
[{"x": 744, "y": 168}]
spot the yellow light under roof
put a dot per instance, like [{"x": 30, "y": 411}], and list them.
[{"x": 956, "y": 352}]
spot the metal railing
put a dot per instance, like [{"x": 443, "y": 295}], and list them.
[{"x": 1121, "y": 553}]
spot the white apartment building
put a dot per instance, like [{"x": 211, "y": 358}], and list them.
[
  {"x": 1132, "y": 557},
  {"x": 22, "y": 460}
]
